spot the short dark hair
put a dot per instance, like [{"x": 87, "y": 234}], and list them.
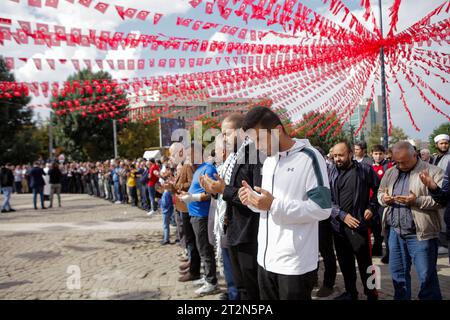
[
  {"x": 152, "y": 160},
  {"x": 362, "y": 145},
  {"x": 262, "y": 116},
  {"x": 347, "y": 144},
  {"x": 378, "y": 148},
  {"x": 235, "y": 118}
]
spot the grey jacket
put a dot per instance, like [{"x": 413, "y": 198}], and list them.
[{"x": 425, "y": 211}]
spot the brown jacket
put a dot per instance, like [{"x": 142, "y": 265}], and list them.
[
  {"x": 182, "y": 183},
  {"x": 425, "y": 212}
]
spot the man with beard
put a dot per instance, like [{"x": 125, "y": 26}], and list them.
[
  {"x": 442, "y": 159},
  {"x": 242, "y": 223},
  {"x": 351, "y": 183}
]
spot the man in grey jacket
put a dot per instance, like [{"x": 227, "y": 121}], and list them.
[{"x": 413, "y": 218}]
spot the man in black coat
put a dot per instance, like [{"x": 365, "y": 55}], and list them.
[
  {"x": 352, "y": 211},
  {"x": 37, "y": 184},
  {"x": 243, "y": 164}
]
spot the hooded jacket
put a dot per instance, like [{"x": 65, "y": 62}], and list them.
[{"x": 288, "y": 235}]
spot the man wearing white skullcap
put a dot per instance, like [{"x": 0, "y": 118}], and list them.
[
  {"x": 442, "y": 159},
  {"x": 443, "y": 156}
]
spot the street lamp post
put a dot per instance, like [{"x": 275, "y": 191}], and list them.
[
  {"x": 115, "y": 138},
  {"x": 383, "y": 86}
]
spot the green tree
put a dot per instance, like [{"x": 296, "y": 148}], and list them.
[
  {"x": 443, "y": 128},
  {"x": 136, "y": 137},
  {"x": 16, "y": 126},
  {"x": 397, "y": 134},
  {"x": 306, "y": 129},
  {"x": 85, "y": 136}
]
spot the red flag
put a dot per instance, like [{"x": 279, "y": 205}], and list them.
[
  {"x": 143, "y": 15},
  {"x": 51, "y": 63},
  {"x": 110, "y": 63},
  {"x": 5, "y": 21},
  {"x": 209, "y": 7},
  {"x": 162, "y": 63},
  {"x": 121, "y": 64},
  {"x": 102, "y": 7},
  {"x": 197, "y": 24},
  {"x": 38, "y": 63},
  {"x": 130, "y": 64},
  {"x": 63, "y": 61},
  {"x": 226, "y": 13},
  {"x": 60, "y": 31},
  {"x": 24, "y": 59},
  {"x": 182, "y": 62},
  {"x": 99, "y": 63},
  {"x": 130, "y": 13},
  {"x": 172, "y": 63},
  {"x": 120, "y": 11},
  {"x": 195, "y": 3},
  {"x": 52, "y": 3},
  {"x": 88, "y": 63},
  {"x": 157, "y": 17},
  {"x": 35, "y": 3},
  {"x": 85, "y": 3},
  {"x": 141, "y": 64}
]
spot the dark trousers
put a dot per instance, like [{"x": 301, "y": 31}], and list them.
[
  {"x": 180, "y": 233},
  {"x": 18, "y": 186},
  {"x": 273, "y": 286},
  {"x": 191, "y": 246},
  {"x": 144, "y": 197},
  {"x": 245, "y": 270},
  {"x": 326, "y": 250},
  {"x": 206, "y": 250},
  {"x": 350, "y": 244},
  {"x": 123, "y": 189},
  {"x": 133, "y": 196},
  {"x": 38, "y": 190}
]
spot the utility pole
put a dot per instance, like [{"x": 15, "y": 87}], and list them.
[
  {"x": 50, "y": 136},
  {"x": 115, "y": 138},
  {"x": 383, "y": 86}
]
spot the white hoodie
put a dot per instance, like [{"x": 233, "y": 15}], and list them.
[{"x": 288, "y": 235}]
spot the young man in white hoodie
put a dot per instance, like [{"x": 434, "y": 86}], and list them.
[{"x": 294, "y": 197}]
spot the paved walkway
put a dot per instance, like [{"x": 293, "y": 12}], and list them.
[{"x": 113, "y": 250}]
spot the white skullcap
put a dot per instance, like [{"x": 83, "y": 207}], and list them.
[{"x": 441, "y": 137}]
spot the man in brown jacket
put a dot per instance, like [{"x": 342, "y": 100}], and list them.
[
  {"x": 190, "y": 269},
  {"x": 413, "y": 218}
]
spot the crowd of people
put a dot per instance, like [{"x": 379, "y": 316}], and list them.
[{"x": 262, "y": 208}]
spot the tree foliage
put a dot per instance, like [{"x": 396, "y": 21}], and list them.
[
  {"x": 443, "y": 128},
  {"x": 85, "y": 136}
]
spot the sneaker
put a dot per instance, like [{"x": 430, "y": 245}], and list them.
[
  {"x": 4, "y": 210},
  {"x": 200, "y": 282},
  {"x": 324, "y": 292},
  {"x": 385, "y": 259},
  {"x": 12, "y": 210},
  {"x": 183, "y": 258},
  {"x": 442, "y": 250},
  {"x": 207, "y": 288},
  {"x": 163, "y": 242},
  {"x": 150, "y": 213},
  {"x": 117, "y": 202},
  {"x": 188, "y": 277}
]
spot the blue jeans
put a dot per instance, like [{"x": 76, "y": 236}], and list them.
[
  {"x": 117, "y": 193},
  {"x": 167, "y": 214},
  {"x": 7, "y": 191},
  {"x": 233, "y": 293},
  {"x": 407, "y": 250},
  {"x": 152, "y": 195},
  {"x": 38, "y": 190},
  {"x": 144, "y": 197}
]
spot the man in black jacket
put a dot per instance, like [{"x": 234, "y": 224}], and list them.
[
  {"x": 351, "y": 183},
  {"x": 6, "y": 183},
  {"x": 242, "y": 224},
  {"x": 37, "y": 184}
]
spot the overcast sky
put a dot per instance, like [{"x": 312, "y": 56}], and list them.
[{"x": 75, "y": 15}]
